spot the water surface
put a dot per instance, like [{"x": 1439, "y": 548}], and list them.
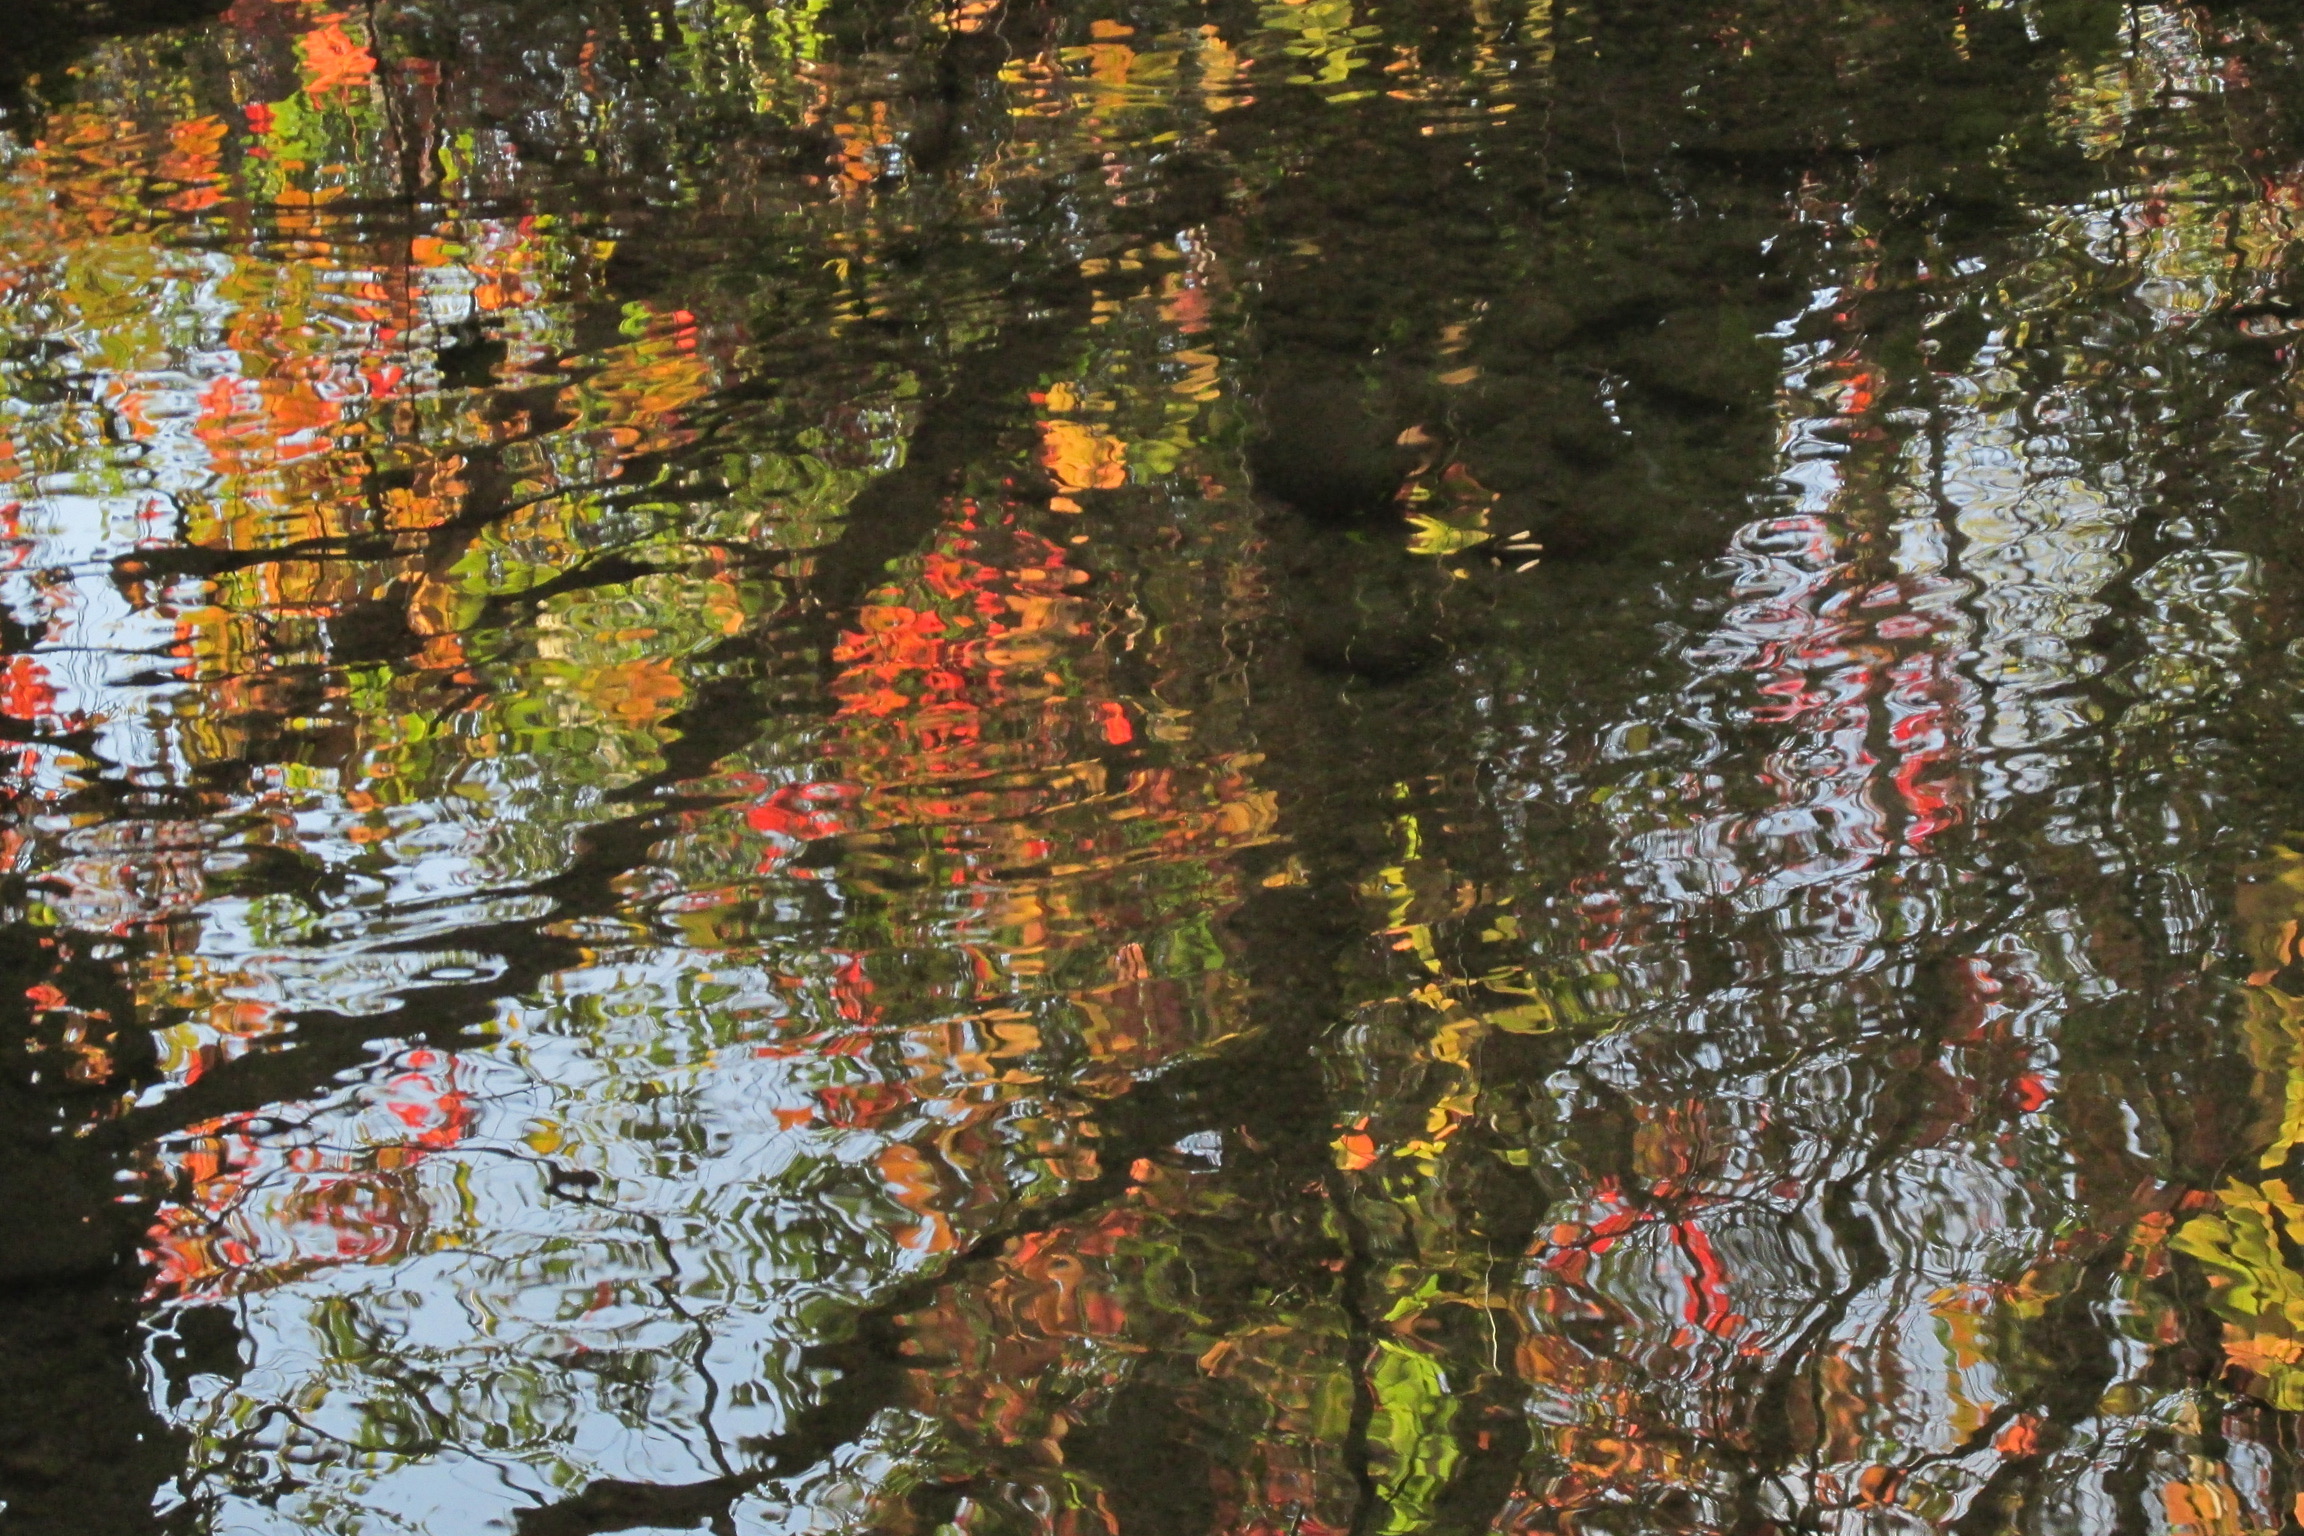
[{"x": 1159, "y": 768}]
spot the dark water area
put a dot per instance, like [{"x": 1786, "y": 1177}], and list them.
[{"x": 1156, "y": 768}]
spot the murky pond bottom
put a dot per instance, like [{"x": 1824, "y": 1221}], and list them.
[{"x": 1314, "y": 768}]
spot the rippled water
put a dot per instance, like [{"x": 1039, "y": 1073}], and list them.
[{"x": 1317, "y": 768}]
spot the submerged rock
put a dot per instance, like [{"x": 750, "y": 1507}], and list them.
[{"x": 1326, "y": 452}]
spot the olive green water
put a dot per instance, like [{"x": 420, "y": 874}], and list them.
[{"x": 1161, "y": 768}]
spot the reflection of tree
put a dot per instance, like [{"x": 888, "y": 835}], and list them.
[
  {"x": 1773, "y": 1104},
  {"x": 1926, "y": 1131},
  {"x": 450, "y": 770},
  {"x": 422, "y": 566},
  {"x": 1755, "y": 1098}
]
